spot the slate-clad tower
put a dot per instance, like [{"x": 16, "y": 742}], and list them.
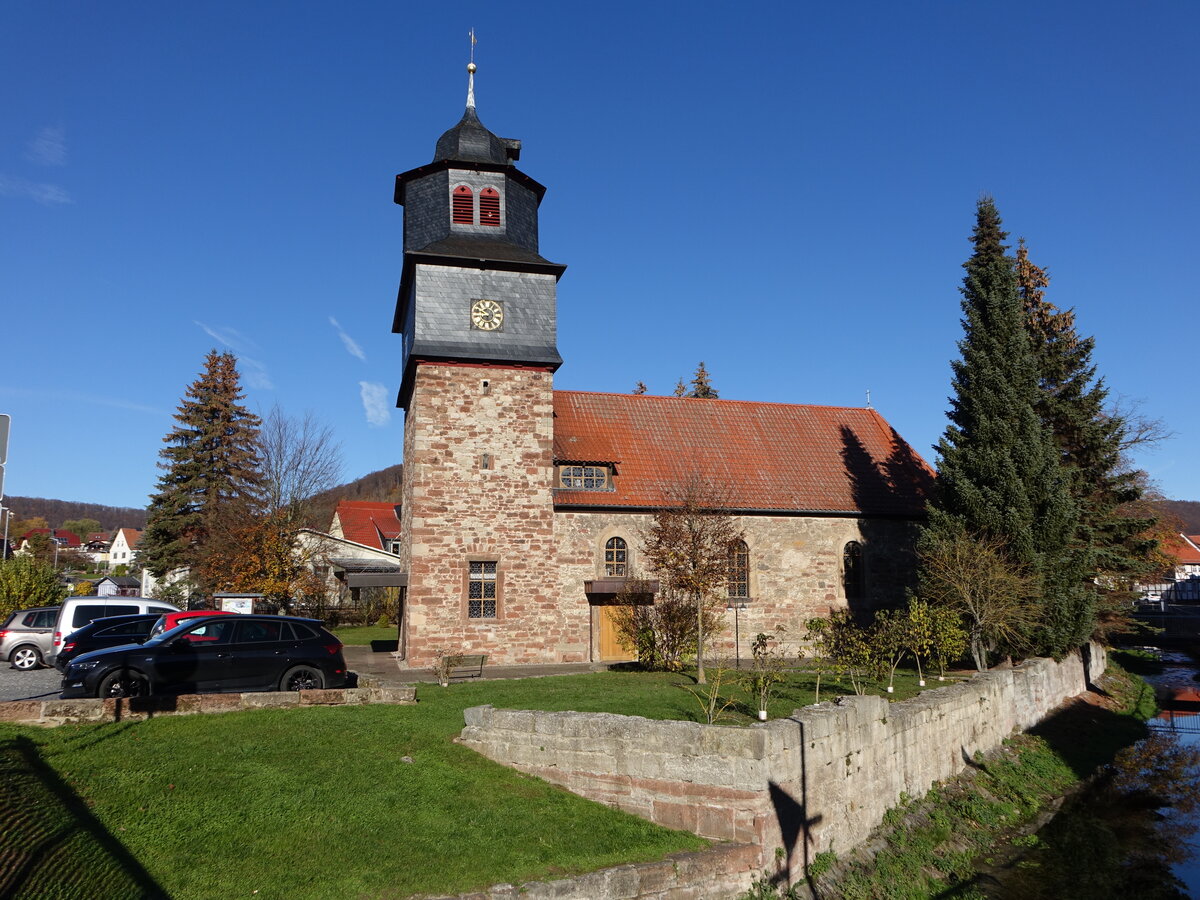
[{"x": 477, "y": 310}]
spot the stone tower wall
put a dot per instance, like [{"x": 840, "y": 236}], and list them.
[{"x": 459, "y": 506}]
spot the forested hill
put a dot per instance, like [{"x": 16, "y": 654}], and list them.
[
  {"x": 383, "y": 486},
  {"x": 1187, "y": 511},
  {"x": 55, "y": 512}
]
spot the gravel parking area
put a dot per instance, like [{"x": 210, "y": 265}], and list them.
[{"x": 36, "y": 684}]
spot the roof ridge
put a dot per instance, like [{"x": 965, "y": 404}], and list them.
[{"x": 870, "y": 409}]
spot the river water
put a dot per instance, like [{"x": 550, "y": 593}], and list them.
[{"x": 1132, "y": 834}]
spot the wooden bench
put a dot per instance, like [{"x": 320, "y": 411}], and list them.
[{"x": 466, "y": 666}]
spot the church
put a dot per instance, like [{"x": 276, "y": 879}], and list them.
[{"x": 524, "y": 507}]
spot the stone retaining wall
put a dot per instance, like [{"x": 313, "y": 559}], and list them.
[
  {"x": 819, "y": 780},
  {"x": 62, "y": 712},
  {"x": 720, "y": 872}
]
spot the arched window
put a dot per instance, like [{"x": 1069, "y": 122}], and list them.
[
  {"x": 616, "y": 558},
  {"x": 739, "y": 570},
  {"x": 852, "y": 571},
  {"x": 462, "y": 206},
  {"x": 489, "y": 206}
]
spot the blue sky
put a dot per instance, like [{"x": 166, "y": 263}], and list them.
[{"x": 783, "y": 191}]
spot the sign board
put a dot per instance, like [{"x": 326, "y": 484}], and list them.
[
  {"x": 5, "y": 421},
  {"x": 237, "y": 603}
]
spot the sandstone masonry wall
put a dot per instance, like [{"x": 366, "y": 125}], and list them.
[
  {"x": 819, "y": 780},
  {"x": 795, "y": 567}
]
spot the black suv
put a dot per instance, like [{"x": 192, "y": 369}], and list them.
[
  {"x": 218, "y": 654},
  {"x": 99, "y": 634}
]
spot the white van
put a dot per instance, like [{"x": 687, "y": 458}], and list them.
[{"x": 79, "y": 611}]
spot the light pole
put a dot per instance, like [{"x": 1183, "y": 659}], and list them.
[{"x": 737, "y": 605}]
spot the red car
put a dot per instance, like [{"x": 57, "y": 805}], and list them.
[{"x": 183, "y": 617}]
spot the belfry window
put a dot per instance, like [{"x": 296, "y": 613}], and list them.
[
  {"x": 616, "y": 558},
  {"x": 853, "y": 582},
  {"x": 462, "y": 206},
  {"x": 739, "y": 570},
  {"x": 489, "y": 207}
]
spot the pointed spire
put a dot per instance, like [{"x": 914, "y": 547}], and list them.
[{"x": 471, "y": 74}]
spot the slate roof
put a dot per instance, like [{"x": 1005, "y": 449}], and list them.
[
  {"x": 367, "y": 522},
  {"x": 470, "y": 141},
  {"x": 469, "y": 246},
  {"x": 770, "y": 457}
]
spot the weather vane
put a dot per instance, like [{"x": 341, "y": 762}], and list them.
[{"x": 473, "y": 43}]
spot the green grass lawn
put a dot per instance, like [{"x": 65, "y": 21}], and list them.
[
  {"x": 362, "y": 635},
  {"x": 316, "y": 802}
]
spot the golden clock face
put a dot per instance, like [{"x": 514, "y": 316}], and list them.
[{"x": 487, "y": 314}]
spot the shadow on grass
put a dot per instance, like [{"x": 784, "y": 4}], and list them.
[
  {"x": 1086, "y": 736},
  {"x": 50, "y": 843}
]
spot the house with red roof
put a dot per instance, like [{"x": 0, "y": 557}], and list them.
[
  {"x": 66, "y": 540},
  {"x": 524, "y": 507},
  {"x": 1185, "y": 549},
  {"x": 123, "y": 547},
  {"x": 375, "y": 525}
]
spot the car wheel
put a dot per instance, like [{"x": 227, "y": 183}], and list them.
[
  {"x": 25, "y": 658},
  {"x": 124, "y": 684},
  {"x": 302, "y": 678}
]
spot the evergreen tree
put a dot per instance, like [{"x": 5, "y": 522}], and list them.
[
  {"x": 640, "y": 387},
  {"x": 1072, "y": 406},
  {"x": 680, "y": 388},
  {"x": 210, "y": 481},
  {"x": 999, "y": 477},
  {"x": 702, "y": 385}
]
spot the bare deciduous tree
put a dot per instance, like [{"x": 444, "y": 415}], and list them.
[
  {"x": 300, "y": 459},
  {"x": 975, "y": 577},
  {"x": 687, "y": 545}
]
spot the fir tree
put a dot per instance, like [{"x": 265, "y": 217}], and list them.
[
  {"x": 1072, "y": 406},
  {"x": 702, "y": 385},
  {"x": 680, "y": 388},
  {"x": 640, "y": 387},
  {"x": 999, "y": 477},
  {"x": 210, "y": 480}
]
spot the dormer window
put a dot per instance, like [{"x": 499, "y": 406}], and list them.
[
  {"x": 583, "y": 478},
  {"x": 462, "y": 206},
  {"x": 489, "y": 207}
]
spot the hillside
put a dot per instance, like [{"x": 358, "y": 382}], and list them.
[
  {"x": 384, "y": 485},
  {"x": 1186, "y": 511},
  {"x": 55, "y": 512}
]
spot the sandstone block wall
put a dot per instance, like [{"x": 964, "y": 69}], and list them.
[
  {"x": 477, "y": 478},
  {"x": 795, "y": 567},
  {"x": 819, "y": 780}
]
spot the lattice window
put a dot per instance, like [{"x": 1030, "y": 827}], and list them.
[
  {"x": 462, "y": 206},
  {"x": 489, "y": 206},
  {"x": 739, "y": 570},
  {"x": 481, "y": 591},
  {"x": 616, "y": 558},
  {"x": 583, "y": 478},
  {"x": 853, "y": 581}
]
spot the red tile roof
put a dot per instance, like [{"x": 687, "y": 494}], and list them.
[
  {"x": 768, "y": 456},
  {"x": 369, "y": 523},
  {"x": 1184, "y": 548},
  {"x": 69, "y": 538},
  {"x": 132, "y": 536}
]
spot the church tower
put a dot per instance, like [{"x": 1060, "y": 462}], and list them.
[{"x": 476, "y": 308}]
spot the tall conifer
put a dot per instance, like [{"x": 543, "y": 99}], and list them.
[
  {"x": 1072, "y": 404},
  {"x": 210, "y": 469},
  {"x": 999, "y": 476}
]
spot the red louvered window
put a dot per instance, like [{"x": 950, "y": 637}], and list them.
[
  {"x": 462, "y": 206},
  {"x": 489, "y": 206}
]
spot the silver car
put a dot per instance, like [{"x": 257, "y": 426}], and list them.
[{"x": 27, "y": 637}]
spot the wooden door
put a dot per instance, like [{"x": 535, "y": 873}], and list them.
[{"x": 610, "y": 648}]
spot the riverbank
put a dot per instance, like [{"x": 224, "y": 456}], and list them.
[{"x": 960, "y": 837}]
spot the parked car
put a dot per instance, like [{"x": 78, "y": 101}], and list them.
[
  {"x": 167, "y": 621},
  {"x": 78, "y": 611},
  {"x": 99, "y": 634},
  {"x": 26, "y": 638},
  {"x": 214, "y": 654}
]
